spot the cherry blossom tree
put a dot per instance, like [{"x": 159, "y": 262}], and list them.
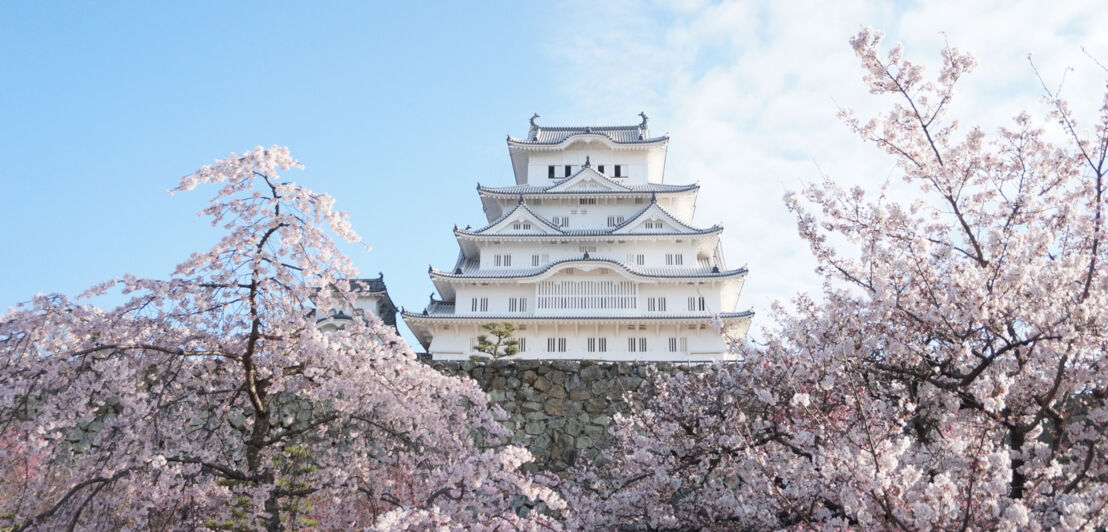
[
  {"x": 211, "y": 401},
  {"x": 953, "y": 373}
]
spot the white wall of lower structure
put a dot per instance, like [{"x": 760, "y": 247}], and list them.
[{"x": 572, "y": 341}]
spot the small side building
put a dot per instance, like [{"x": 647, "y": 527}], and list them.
[{"x": 372, "y": 297}]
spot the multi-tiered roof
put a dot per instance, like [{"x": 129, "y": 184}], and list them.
[{"x": 567, "y": 246}]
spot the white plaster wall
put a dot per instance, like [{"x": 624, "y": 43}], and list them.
[
  {"x": 453, "y": 342},
  {"x": 676, "y": 294},
  {"x": 654, "y": 252},
  {"x": 633, "y": 163}
]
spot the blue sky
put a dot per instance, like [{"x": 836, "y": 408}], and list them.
[{"x": 399, "y": 110}]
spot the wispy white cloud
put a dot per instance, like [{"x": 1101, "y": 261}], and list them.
[{"x": 750, "y": 93}]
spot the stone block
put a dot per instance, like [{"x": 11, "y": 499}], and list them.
[
  {"x": 498, "y": 382},
  {"x": 580, "y": 394},
  {"x": 534, "y": 428},
  {"x": 556, "y": 391},
  {"x": 543, "y": 368},
  {"x": 595, "y": 406},
  {"x": 630, "y": 382},
  {"x": 513, "y": 383},
  {"x": 591, "y": 372},
  {"x": 601, "y": 420},
  {"x": 584, "y": 442},
  {"x": 565, "y": 365},
  {"x": 602, "y": 387},
  {"x": 557, "y": 377},
  {"x": 573, "y": 427},
  {"x": 532, "y": 406},
  {"x": 555, "y": 407},
  {"x": 529, "y": 376},
  {"x": 541, "y": 384},
  {"x": 594, "y": 431}
]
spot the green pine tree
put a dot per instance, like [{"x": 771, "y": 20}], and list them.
[{"x": 498, "y": 343}]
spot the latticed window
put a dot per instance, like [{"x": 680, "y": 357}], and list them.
[
  {"x": 517, "y": 304},
  {"x": 656, "y": 304},
  {"x": 636, "y": 345},
  {"x": 480, "y": 304},
  {"x": 556, "y": 345},
  {"x": 597, "y": 295},
  {"x": 697, "y": 303},
  {"x": 679, "y": 345}
]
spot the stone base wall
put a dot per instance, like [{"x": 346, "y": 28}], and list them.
[{"x": 560, "y": 409}]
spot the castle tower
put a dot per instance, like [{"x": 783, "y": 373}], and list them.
[{"x": 590, "y": 255}]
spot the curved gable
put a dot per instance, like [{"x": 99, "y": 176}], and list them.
[{"x": 588, "y": 180}]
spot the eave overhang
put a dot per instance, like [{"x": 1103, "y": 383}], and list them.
[{"x": 590, "y": 263}]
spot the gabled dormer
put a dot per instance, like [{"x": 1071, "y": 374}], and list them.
[
  {"x": 520, "y": 220},
  {"x": 654, "y": 219},
  {"x": 588, "y": 179}
]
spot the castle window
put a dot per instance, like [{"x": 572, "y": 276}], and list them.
[
  {"x": 587, "y": 201},
  {"x": 569, "y": 170},
  {"x": 480, "y": 304},
  {"x": 600, "y": 169},
  {"x": 679, "y": 345},
  {"x": 556, "y": 345},
  {"x": 561, "y": 221},
  {"x": 502, "y": 260},
  {"x": 696, "y": 303},
  {"x": 674, "y": 259},
  {"x": 636, "y": 258},
  {"x": 550, "y": 172},
  {"x": 614, "y": 221},
  {"x": 522, "y": 345},
  {"x": 517, "y": 304},
  {"x": 582, "y": 295},
  {"x": 598, "y": 345},
  {"x": 656, "y": 304},
  {"x": 636, "y": 345},
  {"x": 619, "y": 171}
]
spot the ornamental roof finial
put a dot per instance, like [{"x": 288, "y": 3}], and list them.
[
  {"x": 533, "y": 117},
  {"x": 644, "y": 119},
  {"x": 521, "y": 199},
  {"x": 653, "y": 197},
  {"x": 588, "y": 164}
]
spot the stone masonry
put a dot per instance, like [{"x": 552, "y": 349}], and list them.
[{"x": 560, "y": 409}]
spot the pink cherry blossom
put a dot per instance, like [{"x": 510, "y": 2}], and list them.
[
  {"x": 211, "y": 400},
  {"x": 952, "y": 375}
]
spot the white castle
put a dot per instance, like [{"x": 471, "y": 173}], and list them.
[{"x": 590, "y": 255}]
